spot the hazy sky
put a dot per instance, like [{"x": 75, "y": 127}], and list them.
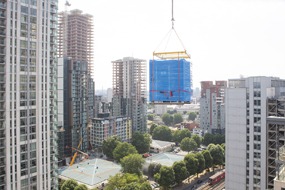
[{"x": 226, "y": 38}]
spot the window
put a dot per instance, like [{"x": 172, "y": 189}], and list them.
[
  {"x": 257, "y": 146},
  {"x": 257, "y": 111},
  {"x": 257, "y": 102}
]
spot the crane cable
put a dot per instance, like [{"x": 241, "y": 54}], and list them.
[{"x": 170, "y": 31}]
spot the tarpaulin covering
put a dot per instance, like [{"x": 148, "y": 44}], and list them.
[{"x": 170, "y": 80}]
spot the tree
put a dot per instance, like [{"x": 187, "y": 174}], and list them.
[
  {"x": 131, "y": 186},
  {"x": 69, "y": 185},
  {"x": 167, "y": 119},
  {"x": 145, "y": 186},
  {"x": 166, "y": 177},
  {"x": 152, "y": 127},
  {"x": 208, "y": 159},
  {"x": 81, "y": 187},
  {"x": 197, "y": 139},
  {"x": 178, "y": 135},
  {"x": 192, "y": 116},
  {"x": 208, "y": 139},
  {"x": 217, "y": 154},
  {"x": 109, "y": 145},
  {"x": 141, "y": 141},
  {"x": 150, "y": 117},
  {"x": 180, "y": 171},
  {"x": 162, "y": 133},
  {"x": 188, "y": 144},
  {"x": 132, "y": 164},
  {"x": 153, "y": 168},
  {"x": 191, "y": 163},
  {"x": 122, "y": 150},
  {"x": 121, "y": 181},
  {"x": 177, "y": 118},
  {"x": 201, "y": 162}
]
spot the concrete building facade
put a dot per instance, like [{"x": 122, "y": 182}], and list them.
[
  {"x": 212, "y": 115},
  {"x": 129, "y": 91},
  {"x": 75, "y": 45},
  {"x": 102, "y": 128},
  {"x": 246, "y": 131},
  {"x": 28, "y": 95}
]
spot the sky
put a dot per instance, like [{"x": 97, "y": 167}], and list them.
[{"x": 225, "y": 38}]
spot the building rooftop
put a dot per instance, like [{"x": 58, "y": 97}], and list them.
[
  {"x": 90, "y": 172},
  {"x": 165, "y": 159},
  {"x": 161, "y": 144}
]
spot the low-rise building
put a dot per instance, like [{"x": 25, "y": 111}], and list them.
[{"x": 158, "y": 146}]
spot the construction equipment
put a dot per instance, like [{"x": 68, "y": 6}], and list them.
[
  {"x": 170, "y": 73},
  {"x": 75, "y": 154}
]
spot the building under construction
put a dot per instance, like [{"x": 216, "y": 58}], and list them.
[
  {"x": 129, "y": 91},
  {"x": 75, "y": 45},
  {"x": 275, "y": 140},
  {"x": 75, "y": 36}
]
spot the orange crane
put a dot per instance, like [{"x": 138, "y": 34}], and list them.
[{"x": 77, "y": 150}]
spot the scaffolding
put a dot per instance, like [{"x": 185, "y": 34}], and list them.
[
  {"x": 75, "y": 36},
  {"x": 275, "y": 140}
]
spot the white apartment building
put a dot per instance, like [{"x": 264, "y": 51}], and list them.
[
  {"x": 28, "y": 95},
  {"x": 129, "y": 91},
  {"x": 212, "y": 115},
  {"x": 102, "y": 128},
  {"x": 246, "y": 131}
]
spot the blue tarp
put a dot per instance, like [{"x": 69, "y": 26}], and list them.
[{"x": 170, "y": 81}]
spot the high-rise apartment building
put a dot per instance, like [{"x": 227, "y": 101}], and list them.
[
  {"x": 28, "y": 95},
  {"x": 212, "y": 113},
  {"x": 246, "y": 131},
  {"x": 75, "y": 38},
  {"x": 129, "y": 91}
]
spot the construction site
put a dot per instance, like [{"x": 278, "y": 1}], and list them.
[{"x": 276, "y": 140}]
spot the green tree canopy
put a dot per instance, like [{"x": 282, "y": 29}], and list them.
[
  {"x": 109, "y": 145},
  {"x": 162, "y": 133},
  {"x": 122, "y": 150},
  {"x": 69, "y": 185},
  {"x": 197, "y": 139},
  {"x": 213, "y": 139},
  {"x": 141, "y": 141},
  {"x": 166, "y": 177},
  {"x": 192, "y": 116},
  {"x": 81, "y": 187},
  {"x": 132, "y": 164},
  {"x": 131, "y": 186},
  {"x": 191, "y": 163},
  {"x": 145, "y": 186},
  {"x": 180, "y": 171},
  {"x": 153, "y": 168},
  {"x": 178, "y": 135},
  {"x": 177, "y": 118},
  {"x": 201, "y": 162},
  {"x": 217, "y": 154},
  {"x": 152, "y": 127},
  {"x": 188, "y": 144},
  {"x": 167, "y": 119},
  {"x": 150, "y": 117},
  {"x": 208, "y": 159},
  {"x": 122, "y": 180}
]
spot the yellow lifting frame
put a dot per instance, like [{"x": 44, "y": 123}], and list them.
[{"x": 172, "y": 55}]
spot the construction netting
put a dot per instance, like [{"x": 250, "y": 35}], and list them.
[{"x": 170, "y": 81}]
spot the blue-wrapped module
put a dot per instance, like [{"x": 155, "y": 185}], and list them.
[{"x": 170, "y": 81}]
